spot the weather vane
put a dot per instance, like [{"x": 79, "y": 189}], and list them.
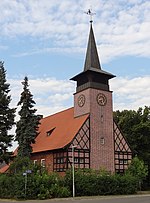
[{"x": 90, "y": 13}]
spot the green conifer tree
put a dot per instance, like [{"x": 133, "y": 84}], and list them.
[
  {"x": 27, "y": 126},
  {"x": 7, "y": 116}
]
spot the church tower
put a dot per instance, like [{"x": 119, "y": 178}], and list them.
[{"x": 94, "y": 97}]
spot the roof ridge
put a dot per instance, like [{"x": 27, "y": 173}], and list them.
[{"x": 58, "y": 112}]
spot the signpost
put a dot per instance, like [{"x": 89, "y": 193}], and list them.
[{"x": 25, "y": 174}]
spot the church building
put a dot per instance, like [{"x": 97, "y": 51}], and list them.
[{"x": 85, "y": 134}]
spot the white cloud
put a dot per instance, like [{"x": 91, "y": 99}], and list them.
[
  {"x": 52, "y": 95},
  {"x": 122, "y": 28},
  {"x": 131, "y": 93},
  {"x": 66, "y": 50},
  {"x": 3, "y": 47},
  {"x": 49, "y": 94}
]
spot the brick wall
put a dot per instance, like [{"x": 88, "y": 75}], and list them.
[
  {"x": 48, "y": 156},
  {"x": 101, "y": 128}
]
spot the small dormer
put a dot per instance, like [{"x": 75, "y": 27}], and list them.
[{"x": 49, "y": 132}]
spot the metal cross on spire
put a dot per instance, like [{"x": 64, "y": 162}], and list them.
[{"x": 90, "y": 13}]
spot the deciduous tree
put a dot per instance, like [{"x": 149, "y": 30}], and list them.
[
  {"x": 138, "y": 169},
  {"x": 135, "y": 125}
]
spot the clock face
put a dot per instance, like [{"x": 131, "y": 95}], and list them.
[
  {"x": 81, "y": 100},
  {"x": 101, "y": 99}
]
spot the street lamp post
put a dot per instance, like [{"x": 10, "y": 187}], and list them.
[{"x": 73, "y": 184}]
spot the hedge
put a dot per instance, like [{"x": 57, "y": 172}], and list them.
[
  {"x": 88, "y": 182},
  {"x": 41, "y": 185}
]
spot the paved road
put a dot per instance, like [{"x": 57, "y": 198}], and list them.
[{"x": 124, "y": 199}]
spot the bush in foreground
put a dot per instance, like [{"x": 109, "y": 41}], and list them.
[
  {"x": 41, "y": 185},
  {"x": 89, "y": 182},
  {"x": 26, "y": 181}
]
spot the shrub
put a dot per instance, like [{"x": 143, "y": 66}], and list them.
[
  {"x": 41, "y": 185},
  {"x": 59, "y": 191},
  {"x": 89, "y": 182},
  {"x": 138, "y": 169}
]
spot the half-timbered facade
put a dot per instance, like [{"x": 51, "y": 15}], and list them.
[
  {"x": 85, "y": 133},
  {"x": 123, "y": 153},
  {"x": 51, "y": 154},
  {"x": 63, "y": 159},
  {"x": 59, "y": 160}
]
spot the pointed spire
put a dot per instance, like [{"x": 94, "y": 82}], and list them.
[
  {"x": 92, "y": 59},
  {"x": 92, "y": 76}
]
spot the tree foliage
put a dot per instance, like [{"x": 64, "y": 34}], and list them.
[
  {"x": 27, "y": 126},
  {"x": 89, "y": 182},
  {"x": 7, "y": 116},
  {"x": 20, "y": 165},
  {"x": 138, "y": 169},
  {"x": 44, "y": 185},
  {"x": 18, "y": 183},
  {"x": 135, "y": 125}
]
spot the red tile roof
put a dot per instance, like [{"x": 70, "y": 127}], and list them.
[
  {"x": 4, "y": 169},
  {"x": 63, "y": 128}
]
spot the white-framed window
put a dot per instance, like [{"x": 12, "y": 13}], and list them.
[
  {"x": 43, "y": 163},
  {"x": 102, "y": 140},
  {"x": 125, "y": 161},
  {"x": 35, "y": 162},
  {"x": 121, "y": 161},
  {"x": 60, "y": 160},
  {"x": 81, "y": 160},
  {"x": 76, "y": 160}
]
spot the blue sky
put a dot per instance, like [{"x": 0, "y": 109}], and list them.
[{"x": 46, "y": 40}]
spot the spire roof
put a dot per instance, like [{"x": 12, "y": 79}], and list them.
[
  {"x": 92, "y": 59},
  {"x": 92, "y": 76}
]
